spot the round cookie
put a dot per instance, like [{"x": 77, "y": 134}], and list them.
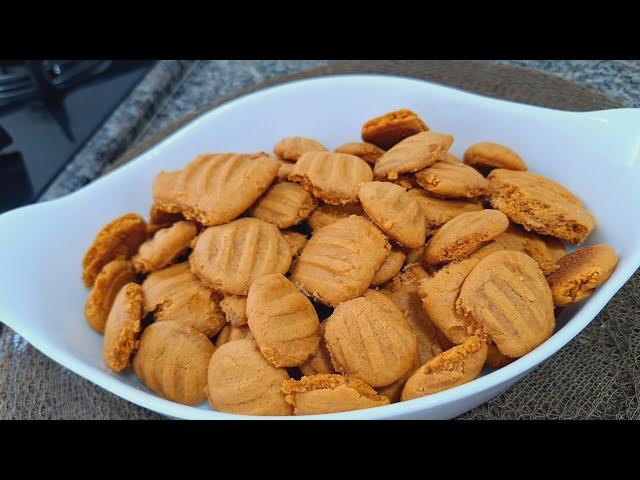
[
  {"x": 230, "y": 257},
  {"x": 366, "y": 151},
  {"x": 397, "y": 213},
  {"x": 119, "y": 238},
  {"x": 580, "y": 272},
  {"x": 113, "y": 276},
  {"x": 368, "y": 338},
  {"x": 241, "y": 381},
  {"x": 172, "y": 360},
  {"x": 122, "y": 327},
  {"x": 327, "y": 214},
  {"x": 390, "y": 267},
  {"x": 452, "y": 180},
  {"x": 487, "y": 155},
  {"x": 332, "y": 177},
  {"x": 285, "y": 204},
  {"x": 292, "y": 148},
  {"x": 234, "y": 308},
  {"x": 388, "y": 129},
  {"x": 463, "y": 235},
  {"x": 282, "y": 320},
  {"x": 165, "y": 246},
  {"x": 508, "y": 296},
  {"x": 229, "y": 333},
  {"x": 438, "y": 211},
  {"x": 330, "y": 393},
  {"x": 456, "y": 366}
]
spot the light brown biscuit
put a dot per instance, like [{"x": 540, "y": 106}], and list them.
[
  {"x": 412, "y": 154},
  {"x": 285, "y": 204},
  {"x": 332, "y": 177},
  {"x": 292, "y": 148},
  {"x": 230, "y": 257},
  {"x": 327, "y": 393},
  {"x": 340, "y": 260},
  {"x": 122, "y": 327},
  {"x": 229, "y": 333},
  {"x": 113, "y": 276},
  {"x": 438, "y": 211},
  {"x": 119, "y": 238},
  {"x": 389, "y": 268},
  {"x": 388, "y": 129},
  {"x": 580, "y": 272},
  {"x": 241, "y": 381},
  {"x": 397, "y": 213},
  {"x": 296, "y": 242},
  {"x": 216, "y": 188},
  {"x": 234, "y": 308},
  {"x": 540, "y": 204},
  {"x": 175, "y": 294},
  {"x": 452, "y": 180},
  {"x": 366, "y": 151},
  {"x": 456, "y": 366},
  {"x": 487, "y": 155},
  {"x": 327, "y": 214},
  {"x": 507, "y": 294},
  {"x": 368, "y": 338},
  {"x": 320, "y": 361},
  {"x": 172, "y": 360},
  {"x": 466, "y": 233},
  {"x": 282, "y": 320},
  {"x": 165, "y": 246}
]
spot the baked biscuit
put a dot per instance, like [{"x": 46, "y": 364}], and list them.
[
  {"x": 234, "y": 308},
  {"x": 284, "y": 170},
  {"x": 438, "y": 211},
  {"x": 375, "y": 325},
  {"x": 456, "y": 366},
  {"x": 388, "y": 129},
  {"x": 284, "y": 205},
  {"x": 113, "y": 276},
  {"x": 487, "y": 155},
  {"x": 175, "y": 294},
  {"x": 327, "y": 214},
  {"x": 216, "y": 188},
  {"x": 172, "y": 360},
  {"x": 460, "y": 237},
  {"x": 122, "y": 327},
  {"x": 540, "y": 204},
  {"x": 397, "y": 213},
  {"x": 241, "y": 381},
  {"x": 389, "y": 268},
  {"x": 296, "y": 242},
  {"x": 327, "y": 393},
  {"x": 292, "y": 148},
  {"x": 507, "y": 294},
  {"x": 282, "y": 320},
  {"x": 229, "y": 333},
  {"x": 119, "y": 238},
  {"x": 366, "y": 151},
  {"x": 230, "y": 257},
  {"x": 452, "y": 180},
  {"x": 340, "y": 260},
  {"x": 165, "y": 246},
  {"x": 332, "y": 177},
  {"x": 320, "y": 361},
  {"x": 412, "y": 154},
  {"x": 580, "y": 272}
]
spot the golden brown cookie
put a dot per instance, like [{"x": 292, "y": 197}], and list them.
[
  {"x": 540, "y": 204},
  {"x": 366, "y": 151},
  {"x": 466, "y": 233},
  {"x": 113, "y": 276},
  {"x": 282, "y": 320},
  {"x": 327, "y": 214},
  {"x": 216, "y": 188},
  {"x": 438, "y": 211},
  {"x": 284, "y": 170},
  {"x": 340, "y": 260},
  {"x": 456, "y": 366},
  {"x": 452, "y": 180},
  {"x": 230, "y": 257},
  {"x": 122, "y": 327},
  {"x": 241, "y": 381},
  {"x": 487, "y": 155},
  {"x": 412, "y": 154},
  {"x": 388, "y": 129},
  {"x": 285, "y": 204},
  {"x": 580, "y": 272},
  {"x": 172, "y": 360},
  {"x": 175, "y": 294},
  {"x": 390, "y": 267},
  {"x": 234, "y": 308},
  {"x": 330, "y": 393},
  {"x": 508, "y": 295},
  {"x": 368, "y": 338},
  {"x": 165, "y": 246},
  {"x": 296, "y": 242},
  {"x": 119, "y": 238},
  {"x": 332, "y": 177},
  {"x": 320, "y": 361},
  {"x": 397, "y": 213},
  {"x": 292, "y": 148},
  {"x": 229, "y": 333}
]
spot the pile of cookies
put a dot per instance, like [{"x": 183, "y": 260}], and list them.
[{"x": 312, "y": 281}]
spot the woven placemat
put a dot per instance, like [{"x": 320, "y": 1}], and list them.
[{"x": 597, "y": 375}]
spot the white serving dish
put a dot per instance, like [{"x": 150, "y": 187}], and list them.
[{"x": 595, "y": 154}]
